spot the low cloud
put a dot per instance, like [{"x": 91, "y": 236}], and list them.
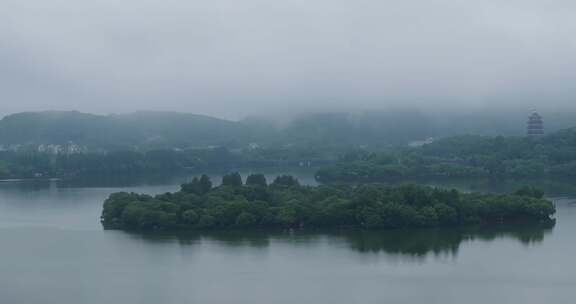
[{"x": 230, "y": 59}]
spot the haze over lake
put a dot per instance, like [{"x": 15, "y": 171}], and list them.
[
  {"x": 55, "y": 251},
  {"x": 369, "y": 151}
]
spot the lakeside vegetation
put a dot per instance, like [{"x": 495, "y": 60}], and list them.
[
  {"x": 287, "y": 204},
  {"x": 553, "y": 155},
  {"x": 33, "y": 164},
  {"x": 72, "y": 144},
  {"x": 149, "y": 130}
]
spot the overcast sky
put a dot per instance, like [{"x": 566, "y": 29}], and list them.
[{"x": 230, "y": 58}]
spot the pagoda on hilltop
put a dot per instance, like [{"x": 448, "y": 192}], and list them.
[{"x": 535, "y": 126}]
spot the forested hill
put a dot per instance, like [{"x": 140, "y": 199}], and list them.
[
  {"x": 150, "y": 129},
  {"x": 335, "y": 131},
  {"x": 153, "y": 130},
  {"x": 464, "y": 156}
]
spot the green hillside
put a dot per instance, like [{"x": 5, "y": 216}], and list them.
[{"x": 140, "y": 129}]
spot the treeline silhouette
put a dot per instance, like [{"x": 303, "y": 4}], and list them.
[
  {"x": 287, "y": 204},
  {"x": 34, "y": 164},
  {"x": 553, "y": 155}
]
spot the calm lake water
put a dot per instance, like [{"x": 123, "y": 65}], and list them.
[{"x": 53, "y": 250}]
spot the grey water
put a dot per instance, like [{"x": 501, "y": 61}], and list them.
[{"x": 54, "y": 250}]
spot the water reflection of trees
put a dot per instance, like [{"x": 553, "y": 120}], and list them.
[
  {"x": 441, "y": 241},
  {"x": 414, "y": 243}
]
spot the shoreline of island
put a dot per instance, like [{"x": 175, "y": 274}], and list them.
[{"x": 285, "y": 203}]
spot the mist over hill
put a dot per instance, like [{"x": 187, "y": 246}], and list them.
[
  {"x": 327, "y": 130},
  {"x": 136, "y": 130}
]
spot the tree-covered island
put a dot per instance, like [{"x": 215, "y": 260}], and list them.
[{"x": 286, "y": 204}]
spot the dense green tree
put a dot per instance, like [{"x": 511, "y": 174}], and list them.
[
  {"x": 205, "y": 183},
  {"x": 232, "y": 179},
  {"x": 246, "y": 219},
  {"x": 553, "y": 155},
  {"x": 206, "y": 221},
  {"x": 192, "y": 187},
  {"x": 286, "y": 180},
  {"x": 190, "y": 217},
  {"x": 530, "y": 191},
  {"x": 445, "y": 213},
  {"x": 256, "y": 180},
  {"x": 198, "y": 186},
  {"x": 287, "y": 204}
]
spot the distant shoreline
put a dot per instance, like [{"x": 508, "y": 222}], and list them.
[{"x": 15, "y": 180}]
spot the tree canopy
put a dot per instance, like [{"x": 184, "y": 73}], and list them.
[
  {"x": 553, "y": 155},
  {"x": 285, "y": 203}
]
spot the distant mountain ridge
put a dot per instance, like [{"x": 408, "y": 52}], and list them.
[
  {"x": 162, "y": 129},
  {"x": 329, "y": 131}
]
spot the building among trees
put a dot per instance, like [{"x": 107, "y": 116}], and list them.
[{"x": 535, "y": 126}]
